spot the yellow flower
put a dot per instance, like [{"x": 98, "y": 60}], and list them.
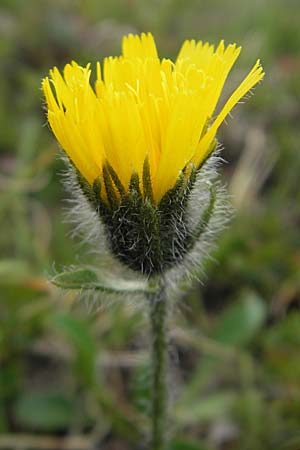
[{"x": 144, "y": 107}]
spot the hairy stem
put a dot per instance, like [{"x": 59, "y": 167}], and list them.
[{"x": 158, "y": 310}]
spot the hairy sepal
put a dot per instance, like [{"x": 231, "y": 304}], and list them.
[
  {"x": 171, "y": 237},
  {"x": 209, "y": 212}
]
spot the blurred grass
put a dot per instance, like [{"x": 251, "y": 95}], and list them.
[{"x": 235, "y": 343}]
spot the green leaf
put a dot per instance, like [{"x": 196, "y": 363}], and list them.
[
  {"x": 235, "y": 328},
  {"x": 13, "y": 270},
  {"x": 77, "y": 332},
  {"x": 86, "y": 279},
  {"x": 280, "y": 343},
  {"x": 44, "y": 411},
  {"x": 241, "y": 321},
  {"x": 185, "y": 445},
  {"x": 75, "y": 279},
  {"x": 208, "y": 408}
]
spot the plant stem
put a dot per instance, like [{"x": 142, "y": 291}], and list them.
[{"x": 158, "y": 310}]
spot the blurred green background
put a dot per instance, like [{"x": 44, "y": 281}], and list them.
[{"x": 74, "y": 378}]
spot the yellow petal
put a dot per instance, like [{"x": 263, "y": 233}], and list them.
[
  {"x": 143, "y": 46},
  {"x": 255, "y": 75},
  {"x": 143, "y": 107}
]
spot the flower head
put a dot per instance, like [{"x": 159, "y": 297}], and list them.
[
  {"x": 143, "y": 107},
  {"x": 145, "y": 129}
]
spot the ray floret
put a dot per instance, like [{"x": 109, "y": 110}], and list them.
[{"x": 144, "y": 107}]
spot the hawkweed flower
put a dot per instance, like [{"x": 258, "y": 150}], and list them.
[
  {"x": 139, "y": 139},
  {"x": 141, "y": 145}
]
